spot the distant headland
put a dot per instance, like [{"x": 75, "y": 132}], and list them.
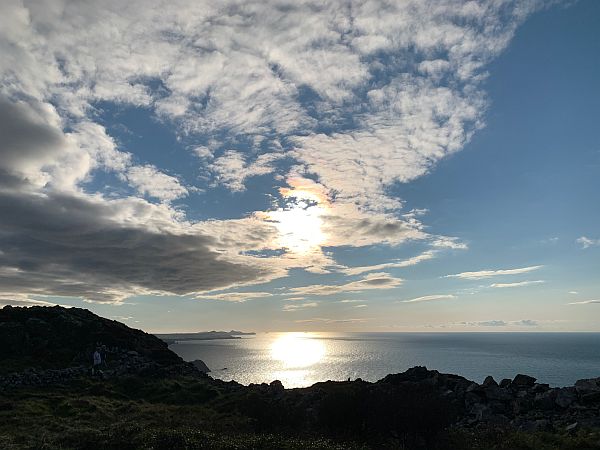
[{"x": 171, "y": 338}]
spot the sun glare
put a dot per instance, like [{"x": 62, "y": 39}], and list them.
[
  {"x": 299, "y": 225},
  {"x": 297, "y": 350}
]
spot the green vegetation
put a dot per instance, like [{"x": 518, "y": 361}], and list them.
[{"x": 191, "y": 413}]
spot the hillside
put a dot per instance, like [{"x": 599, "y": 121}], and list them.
[{"x": 57, "y": 338}]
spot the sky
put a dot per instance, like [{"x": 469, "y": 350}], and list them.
[{"x": 418, "y": 165}]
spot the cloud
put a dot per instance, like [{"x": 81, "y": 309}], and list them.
[
  {"x": 516, "y": 284},
  {"x": 428, "y": 298},
  {"x": 585, "y": 302},
  {"x": 331, "y": 89},
  {"x": 236, "y": 297},
  {"x": 299, "y": 306},
  {"x": 493, "y": 273},
  {"x": 69, "y": 245},
  {"x": 503, "y": 323},
  {"x": 331, "y": 321},
  {"x": 148, "y": 180},
  {"x": 232, "y": 170},
  {"x": 427, "y": 255},
  {"x": 588, "y": 242},
  {"x": 369, "y": 282}
]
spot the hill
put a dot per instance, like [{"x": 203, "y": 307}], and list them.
[{"x": 57, "y": 338}]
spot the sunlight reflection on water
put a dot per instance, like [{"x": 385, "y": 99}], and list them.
[{"x": 302, "y": 359}]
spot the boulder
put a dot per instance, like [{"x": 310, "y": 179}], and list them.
[
  {"x": 497, "y": 393},
  {"x": 545, "y": 401},
  {"x": 505, "y": 382},
  {"x": 523, "y": 381},
  {"x": 489, "y": 381},
  {"x": 200, "y": 365},
  {"x": 565, "y": 397},
  {"x": 588, "y": 385}
]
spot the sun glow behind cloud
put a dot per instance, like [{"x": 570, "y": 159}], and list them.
[{"x": 300, "y": 221}]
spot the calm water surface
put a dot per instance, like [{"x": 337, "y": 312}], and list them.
[{"x": 301, "y": 359}]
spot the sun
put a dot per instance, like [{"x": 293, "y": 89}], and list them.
[
  {"x": 300, "y": 226},
  {"x": 297, "y": 350}
]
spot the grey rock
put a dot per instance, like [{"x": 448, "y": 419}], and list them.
[
  {"x": 588, "y": 385},
  {"x": 523, "y": 380},
  {"x": 545, "y": 400},
  {"x": 200, "y": 365},
  {"x": 497, "y": 393},
  {"x": 565, "y": 397},
  {"x": 505, "y": 382},
  {"x": 489, "y": 381}
]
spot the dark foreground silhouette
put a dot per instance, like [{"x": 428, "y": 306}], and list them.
[{"x": 148, "y": 397}]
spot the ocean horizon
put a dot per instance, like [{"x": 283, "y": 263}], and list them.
[{"x": 302, "y": 359}]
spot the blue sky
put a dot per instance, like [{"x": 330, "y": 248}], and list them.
[{"x": 418, "y": 166}]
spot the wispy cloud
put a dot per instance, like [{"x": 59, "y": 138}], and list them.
[
  {"x": 331, "y": 321},
  {"x": 429, "y": 254},
  {"x": 502, "y": 323},
  {"x": 371, "y": 281},
  {"x": 478, "y": 275},
  {"x": 517, "y": 284},
  {"x": 428, "y": 298},
  {"x": 238, "y": 297},
  {"x": 584, "y": 302},
  {"x": 588, "y": 242},
  {"x": 299, "y": 306}
]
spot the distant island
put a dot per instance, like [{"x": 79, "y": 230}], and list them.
[
  {"x": 172, "y": 338},
  {"x": 146, "y": 396}
]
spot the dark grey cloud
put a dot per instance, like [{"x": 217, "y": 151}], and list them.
[
  {"x": 27, "y": 139},
  {"x": 60, "y": 244},
  {"x": 67, "y": 243}
]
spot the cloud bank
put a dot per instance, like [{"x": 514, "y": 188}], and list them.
[{"x": 333, "y": 88}]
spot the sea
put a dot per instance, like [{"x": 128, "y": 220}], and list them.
[{"x": 302, "y": 359}]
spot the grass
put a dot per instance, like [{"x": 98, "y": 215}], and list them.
[{"x": 187, "y": 413}]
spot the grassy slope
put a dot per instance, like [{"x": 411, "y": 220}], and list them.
[{"x": 133, "y": 413}]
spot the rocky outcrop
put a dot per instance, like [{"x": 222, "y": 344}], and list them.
[
  {"x": 49, "y": 345},
  {"x": 521, "y": 402}
]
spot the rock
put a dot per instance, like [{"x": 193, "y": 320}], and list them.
[
  {"x": 572, "y": 428},
  {"x": 565, "y": 397},
  {"x": 481, "y": 412},
  {"x": 200, "y": 365},
  {"x": 497, "y": 393},
  {"x": 591, "y": 397},
  {"x": 489, "y": 381},
  {"x": 545, "y": 400},
  {"x": 588, "y": 385},
  {"x": 277, "y": 386},
  {"x": 540, "y": 387},
  {"x": 505, "y": 383},
  {"x": 523, "y": 381},
  {"x": 536, "y": 425}
]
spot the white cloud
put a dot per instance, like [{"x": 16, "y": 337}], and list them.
[
  {"x": 588, "y": 242},
  {"x": 398, "y": 82},
  {"x": 299, "y": 306},
  {"x": 516, "y": 284},
  {"x": 502, "y": 323},
  {"x": 148, "y": 180},
  {"x": 369, "y": 282},
  {"x": 478, "y": 275},
  {"x": 585, "y": 302},
  {"x": 429, "y": 254},
  {"x": 428, "y": 298},
  {"x": 237, "y": 297},
  {"x": 325, "y": 320}
]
